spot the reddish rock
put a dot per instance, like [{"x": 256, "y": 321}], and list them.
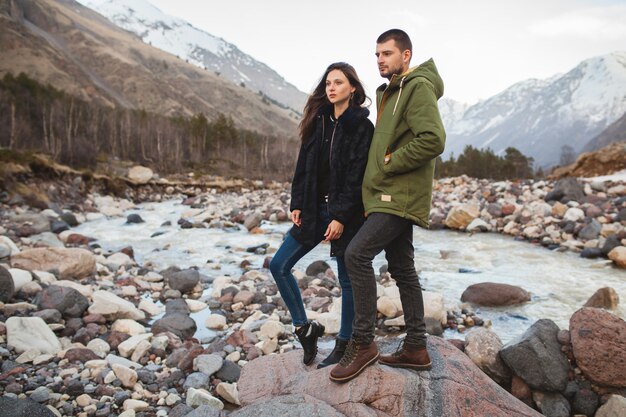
[
  {"x": 454, "y": 387},
  {"x": 115, "y": 338},
  {"x": 521, "y": 390},
  {"x": 458, "y": 343},
  {"x": 508, "y": 209},
  {"x": 81, "y": 355},
  {"x": 78, "y": 240},
  {"x": 244, "y": 297},
  {"x": 599, "y": 343},
  {"x": 491, "y": 294},
  {"x": 243, "y": 338},
  {"x": 94, "y": 318},
  {"x": 186, "y": 362}
]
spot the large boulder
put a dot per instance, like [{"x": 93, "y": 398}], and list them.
[
  {"x": 454, "y": 387},
  {"x": 536, "y": 357},
  {"x": 70, "y": 262},
  {"x": 68, "y": 301},
  {"x": 25, "y": 333},
  {"x": 491, "y": 294},
  {"x": 599, "y": 344},
  {"x": 483, "y": 346}
]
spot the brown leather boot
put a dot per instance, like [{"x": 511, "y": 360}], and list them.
[
  {"x": 357, "y": 357},
  {"x": 408, "y": 356}
]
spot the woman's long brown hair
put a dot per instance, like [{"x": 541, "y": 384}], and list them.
[{"x": 318, "y": 98}]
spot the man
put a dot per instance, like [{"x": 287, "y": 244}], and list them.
[{"x": 397, "y": 190}]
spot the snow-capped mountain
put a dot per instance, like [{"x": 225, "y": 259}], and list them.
[
  {"x": 539, "y": 117},
  {"x": 200, "y": 48}
]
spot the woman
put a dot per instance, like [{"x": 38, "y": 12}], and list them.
[{"x": 326, "y": 197}]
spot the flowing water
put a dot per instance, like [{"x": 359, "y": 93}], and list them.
[{"x": 559, "y": 282}]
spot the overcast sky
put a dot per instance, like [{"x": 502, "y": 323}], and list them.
[{"x": 480, "y": 47}]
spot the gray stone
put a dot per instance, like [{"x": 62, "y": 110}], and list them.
[
  {"x": 208, "y": 364},
  {"x": 47, "y": 239},
  {"x": 7, "y": 287},
  {"x": 177, "y": 306},
  {"x": 29, "y": 224},
  {"x": 205, "y": 411},
  {"x": 181, "y": 325},
  {"x": 49, "y": 315},
  {"x": 536, "y": 357},
  {"x": 590, "y": 231},
  {"x": 565, "y": 190},
  {"x": 11, "y": 407},
  {"x": 68, "y": 301},
  {"x": 41, "y": 395},
  {"x": 552, "y": 404},
  {"x": 183, "y": 281},
  {"x": 317, "y": 267},
  {"x": 229, "y": 372},
  {"x": 134, "y": 218},
  {"x": 196, "y": 380}
]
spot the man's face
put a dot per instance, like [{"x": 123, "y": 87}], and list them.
[{"x": 390, "y": 59}]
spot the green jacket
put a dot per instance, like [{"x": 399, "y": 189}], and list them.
[{"x": 408, "y": 127}]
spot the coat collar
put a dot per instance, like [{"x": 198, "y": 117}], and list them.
[{"x": 350, "y": 118}]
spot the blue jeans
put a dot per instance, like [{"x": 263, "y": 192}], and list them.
[{"x": 289, "y": 253}]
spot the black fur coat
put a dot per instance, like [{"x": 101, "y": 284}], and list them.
[{"x": 347, "y": 165}]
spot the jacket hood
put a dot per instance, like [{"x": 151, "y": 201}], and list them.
[{"x": 426, "y": 70}]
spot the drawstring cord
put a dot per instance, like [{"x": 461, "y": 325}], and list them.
[{"x": 399, "y": 95}]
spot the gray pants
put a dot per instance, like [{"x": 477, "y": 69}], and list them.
[{"x": 393, "y": 234}]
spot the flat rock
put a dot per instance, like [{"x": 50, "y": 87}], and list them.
[
  {"x": 25, "y": 333},
  {"x": 295, "y": 405},
  {"x": 113, "y": 307},
  {"x": 454, "y": 387},
  {"x": 74, "y": 263},
  {"x": 491, "y": 294}
]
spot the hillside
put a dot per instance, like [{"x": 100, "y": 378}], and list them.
[
  {"x": 76, "y": 50},
  {"x": 616, "y": 132},
  {"x": 198, "y": 47}
]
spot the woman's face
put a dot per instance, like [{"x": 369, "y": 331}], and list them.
[{"x": 338, "y": 88}]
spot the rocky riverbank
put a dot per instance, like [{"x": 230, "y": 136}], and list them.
[{"x": 87, "y": 332}]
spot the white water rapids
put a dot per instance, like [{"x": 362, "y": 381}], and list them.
[{"x": 559, "y": 282}]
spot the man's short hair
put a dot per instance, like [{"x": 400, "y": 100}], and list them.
[{"x": 403, "y": 42}]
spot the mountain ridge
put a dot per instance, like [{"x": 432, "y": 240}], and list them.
[
  {"x": 539, "y": 116},
  {"x": 75, "y": 49},
  {"x": 182, "y": 39}
]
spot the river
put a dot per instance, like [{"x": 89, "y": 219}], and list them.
[{"x": 559, "y": 282}]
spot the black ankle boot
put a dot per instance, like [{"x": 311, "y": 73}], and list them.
[
  {"x": 308, "y": 335},
  {"x": 336, "y": 355}
]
